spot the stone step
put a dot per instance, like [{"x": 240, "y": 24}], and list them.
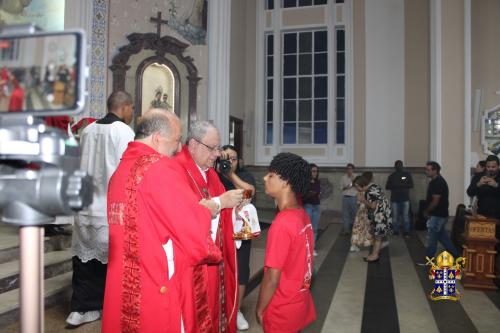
[
  {"x": 55, "y": 289},
  {"x": 55, "y": 262}
]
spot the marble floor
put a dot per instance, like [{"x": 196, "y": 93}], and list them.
[{"x": 353, "y": 296}]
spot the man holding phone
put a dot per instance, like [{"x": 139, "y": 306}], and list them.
[
  {"x": 485, "y": 186},
  {"x": 399, "y": 183}
]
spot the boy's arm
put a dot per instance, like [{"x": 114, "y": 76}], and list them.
[{"x": 269, "y": 284}]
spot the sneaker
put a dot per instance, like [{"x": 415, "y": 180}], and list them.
[
  {"x": 315, "y": 253},
  {"x": 354, "y": 248},
  {"x": 384, "y": 244},
  {"x": 241, "y": 322},
  {"x": 79, "y": 318}
]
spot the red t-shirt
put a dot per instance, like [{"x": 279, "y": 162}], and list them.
[{"x": 290, "y": 244}]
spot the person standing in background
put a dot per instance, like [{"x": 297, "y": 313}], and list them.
[
  {"x": 436, "y": 212},
  {"x": 378, "y": 209},
  {"x": 349, "y": 202},
  {"x": 485, "y": 186},
  {"x": 16, "y": 101},
  {"x": 103, "y": 143},
  {"x": 399, "y": 183},
  {"x": 480, "y": 167},
  {"x": 311, "y": 202}
]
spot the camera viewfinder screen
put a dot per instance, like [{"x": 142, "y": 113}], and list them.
[{"x": 40, "y": 74}]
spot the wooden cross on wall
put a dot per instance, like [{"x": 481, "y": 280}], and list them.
[{"x": 158, "y": 22}]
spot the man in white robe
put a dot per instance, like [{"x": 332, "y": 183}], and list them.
[{"x": 103, "y": 143}]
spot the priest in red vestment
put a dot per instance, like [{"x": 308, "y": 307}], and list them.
[
  {"x": 158, "y": 230},
  {"x": 197, "y": 159}
]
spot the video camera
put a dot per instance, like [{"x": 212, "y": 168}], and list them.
[
  {"x": 41, "y": 74},
  {"x": 223, "y": 166}
]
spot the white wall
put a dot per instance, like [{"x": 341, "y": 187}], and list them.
[{"x": 385, "y": 81}]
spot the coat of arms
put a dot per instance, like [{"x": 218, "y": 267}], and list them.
[{"x": 445, "y": 275}]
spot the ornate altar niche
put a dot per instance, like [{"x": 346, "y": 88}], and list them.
[{"x": 150, "y": 66}]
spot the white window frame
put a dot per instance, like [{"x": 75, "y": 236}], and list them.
[{"x": 321, "y": 154}]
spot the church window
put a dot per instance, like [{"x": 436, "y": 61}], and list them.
[
  {"x": 303, "y": 77},
  {"x": 302, "y": 3},
  {"x": 340, "y": 84},
  {"x": 305, "y": 87},
  {"x": 269, "y": 89}
]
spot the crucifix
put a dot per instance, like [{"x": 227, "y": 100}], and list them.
[{"x": 158, "y": 22}]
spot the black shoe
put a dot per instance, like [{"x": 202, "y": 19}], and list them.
[
  {"x": 407, "y": 235},
  {"x": 396, "y": 233},
  {"x": 55, "y": 230},
  {"x": 370, "y": 261}
]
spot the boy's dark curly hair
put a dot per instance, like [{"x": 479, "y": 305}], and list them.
[{"x": 294, "y": 170}]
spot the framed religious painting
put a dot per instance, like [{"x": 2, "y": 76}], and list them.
[{"x": 158, "y": 82}]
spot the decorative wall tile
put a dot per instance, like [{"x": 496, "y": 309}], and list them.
[{"x": 98, "y": 61}]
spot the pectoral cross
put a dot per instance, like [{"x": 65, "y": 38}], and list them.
[{"x": 158, "y": 22}]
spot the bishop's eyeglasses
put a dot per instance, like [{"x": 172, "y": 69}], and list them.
[{"x": 211, "y": 149}]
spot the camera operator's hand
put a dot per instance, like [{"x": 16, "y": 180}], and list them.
[
  {"x": 211, "y": 205},
  {"x": 224, "y": 155},
  {"x": 231, "y": 198},
  {"x": 229, "y": 172}
]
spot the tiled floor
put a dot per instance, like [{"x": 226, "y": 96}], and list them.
[{"x": 353, "y": 296}]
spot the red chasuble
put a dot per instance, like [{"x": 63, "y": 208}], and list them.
[
  {"x": 150, "y": 204},
  {"x": 222, "y": 278}
]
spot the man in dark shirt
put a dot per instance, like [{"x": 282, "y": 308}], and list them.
[
  {"x": 485, "y": 187},
  {"x": 399, "y": 183},
  {"x": 437, "y": 211}
]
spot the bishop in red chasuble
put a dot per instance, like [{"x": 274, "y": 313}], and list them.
[
  {"x": 197, "y": 159},
  {"x": 157, "y": 233}
]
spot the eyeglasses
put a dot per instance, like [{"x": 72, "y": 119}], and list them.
[{"x": 211, "y": 149}]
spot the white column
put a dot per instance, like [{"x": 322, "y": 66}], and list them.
[
  {"x": 436, "y": 85},
  {"x": 385, "y": 81},
  {"x": 219, "y": 37},
  {"x": 467, "y": 97}
]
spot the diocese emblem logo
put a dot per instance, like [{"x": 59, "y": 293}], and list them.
[{"x": 445, "y": 275}]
